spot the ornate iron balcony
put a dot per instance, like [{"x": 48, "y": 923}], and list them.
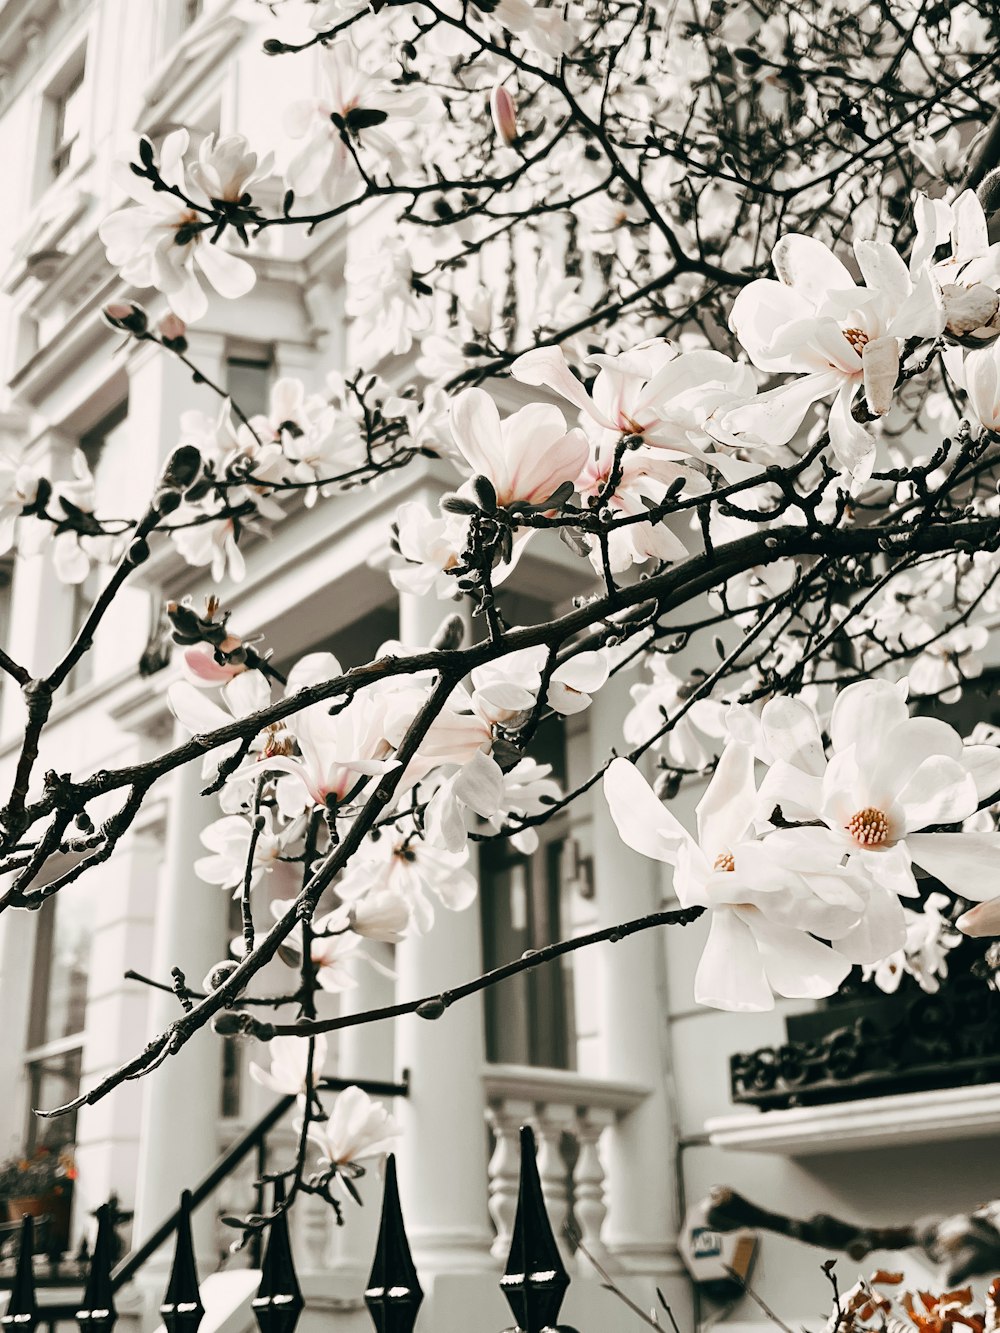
[{"x": 873, "y": 1047}]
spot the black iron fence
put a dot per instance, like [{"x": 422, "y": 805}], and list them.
[{"x": 534, "y": 1281}]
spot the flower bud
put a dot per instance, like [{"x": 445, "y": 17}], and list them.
[
  {"x": 504, "y": 115},
  {"x": 172, "y": 330},
  {"x": 126, "y": 315},
  {"x": 220, "y": 974}
]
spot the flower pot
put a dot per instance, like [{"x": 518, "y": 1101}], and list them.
[{"x": 55, "y": 1207}]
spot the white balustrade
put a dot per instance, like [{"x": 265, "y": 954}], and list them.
[{"x": 570, "y": 1114}]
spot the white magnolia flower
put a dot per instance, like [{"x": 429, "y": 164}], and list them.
[
  {"x": 18, "y": 487},
  {"x": 163, "y": 242},
  {"x": 430, "y": 545},
  {"x": 290, "y": 1065},
  {"x": 672, "y": 401},
  {"x": 528, "y": 789},
  {"x": 767, "y": 897},
  {"x": 380, "y": 914},
  {"x": 337, "y": 753},
  {"x": 695, "y": 738},
  {"x": 362, "y": 112},
  {"x": 930, "y": 937},
  {"x": 228, "y": 840},
  {"x": 526, "y": 457},
  {"x": 413, "y": 870},
  {"x": 382, "y": 299},
  {"x": 817, "y": 323},
  {"x": 970, "y": 275},
  {"x": 889, "y": 780},
  {"x": 74, "y": 551},
  {"x": 334, "y": 947},
  {"x": 358, "y": 1128},
  {"x": 244, "y": 693}
]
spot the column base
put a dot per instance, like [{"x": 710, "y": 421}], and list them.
[{"x": 458, "y": 1251}]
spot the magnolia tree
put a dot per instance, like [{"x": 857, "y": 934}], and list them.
[{"x": 736, "y": 255}]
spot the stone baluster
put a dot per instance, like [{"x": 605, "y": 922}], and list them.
[
  {"x": 589, "y": 1204},
  {"x": 505, "y": 1120},
  {"x": 551, "y": 1123}
]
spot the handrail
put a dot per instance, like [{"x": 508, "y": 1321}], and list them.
[{"x": 251, "y": 1138}]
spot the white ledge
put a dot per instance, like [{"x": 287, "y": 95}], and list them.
[
  {"x": 868, "y": 1122},
  {"x": 560, "y": 1087}
]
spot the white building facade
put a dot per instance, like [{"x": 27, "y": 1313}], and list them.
[{"x": 625, "y": 1081}]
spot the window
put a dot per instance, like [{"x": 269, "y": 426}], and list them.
[
  {"x": 66, "y": 118},
  {"x": 59, "y": 984},
  {"x": 529, "y": 1017},
  {"x": 248, "y": 379}
]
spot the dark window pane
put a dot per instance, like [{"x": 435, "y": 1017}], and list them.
[
  {"x": 62, "y": 965},
  {"x": 53, "y": 1081}
]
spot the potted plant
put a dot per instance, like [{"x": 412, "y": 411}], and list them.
[{"x": 41, "y": 1184}]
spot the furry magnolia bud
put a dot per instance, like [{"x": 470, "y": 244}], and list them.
[
  {"x": 450, "y": 634},
  {"x": 504, "y": 115}
]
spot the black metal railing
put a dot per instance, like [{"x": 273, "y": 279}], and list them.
[
  {"x": 534, "y": 1281},
  {"x": 252, "y": 1141},
  {"x": 876, "y": 1047}
]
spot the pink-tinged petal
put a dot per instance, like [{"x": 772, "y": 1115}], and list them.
[
  {"x": 880, "y": 359},
  {"x": 880, "y": 931},
  {"x": 792, "y": 734},
  {"x": 547, "y": 366},
  {"x": 939, "y": 792},
  {"x": 981, "y": 921},
  {"x": 966, "y": 863},
  {"x": 231, "y": 276},
  {"x": 475, "y": 424},
  {"x": 810, "y": 267},
  {"x": 540, "y": 454},
  {"x": 642, "y": 821},
  {"x": 795, "y": 964},
  {"x": 201, "y": 668},
  {"x": 731, "y": 973},
  {"x": 726, "y": 811}
]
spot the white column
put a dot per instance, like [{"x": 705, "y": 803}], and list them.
[
  {"x": 442, "y": 1154},
  {"x": 641, "y": 1224},
  {"x": 179, "y": 1140}
]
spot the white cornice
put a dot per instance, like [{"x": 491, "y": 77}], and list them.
[{"x": 869, "y": 1122}]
